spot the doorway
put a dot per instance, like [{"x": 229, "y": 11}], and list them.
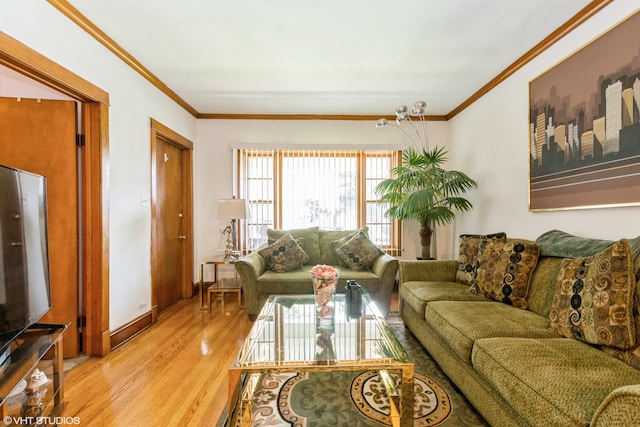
[
  {"x": 94, "y": 238},
  {"x": 171, "y": 218},
  {"x": 39, "y": 136}
]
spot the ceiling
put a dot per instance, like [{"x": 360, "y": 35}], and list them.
[{"x": 326, "y": 57}]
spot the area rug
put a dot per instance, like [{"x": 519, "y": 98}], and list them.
[{"x": 357, "y": 399}]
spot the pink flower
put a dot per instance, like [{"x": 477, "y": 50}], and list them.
[{"x": 324, "y": 271}]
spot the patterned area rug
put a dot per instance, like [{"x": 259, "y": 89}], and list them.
[
  {"x": 431, "y": 404},
  {"x": 357, "y": 399}
]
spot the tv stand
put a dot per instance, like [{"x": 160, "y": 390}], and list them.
[{"x": 39, "y": 346}]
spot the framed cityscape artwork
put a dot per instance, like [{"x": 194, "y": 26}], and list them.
[{"x": 584, "y": 125}]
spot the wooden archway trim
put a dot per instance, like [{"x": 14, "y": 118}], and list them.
[
  {"x": 95, "y": 182},
  {"x": 28, "y": 62}
]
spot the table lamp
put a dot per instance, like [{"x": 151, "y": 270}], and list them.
[{"x": 233, "y": 209}]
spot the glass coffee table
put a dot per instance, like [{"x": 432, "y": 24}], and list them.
[{"x": 286, "y": 338}]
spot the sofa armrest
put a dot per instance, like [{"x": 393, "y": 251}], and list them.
[
  {"x": 428, "y": 271},
  {"x": 385, "y": 263},
  {"x": 250, "y": 268},
  {"x": 385, "y": 267},
  {"x": 620, "y": 407}
]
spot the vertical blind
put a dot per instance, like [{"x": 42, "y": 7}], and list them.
[{"x": 331, "y": 189}]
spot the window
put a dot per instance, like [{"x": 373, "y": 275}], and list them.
[{"x": 331, "y": 189}]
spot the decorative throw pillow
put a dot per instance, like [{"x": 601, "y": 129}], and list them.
[
  {"x": 630, "y": 356},
  {"x": 299, "y": 241},
  {"x": 594, "y": 298},
  {"x": 310, "y": 236},
  {"x": 284, "y": 255},
  {"x": 504, "y": 271},
  {"x": 358, "y": 252},
  {"x": 470, "y": 248},
  {"x": 337, "y": 243},
  {"x": 635, "y": 253}
]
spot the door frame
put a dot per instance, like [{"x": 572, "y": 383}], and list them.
[
  {"x": 94, "y": 234},
  {"x": 158, "y": 130}
]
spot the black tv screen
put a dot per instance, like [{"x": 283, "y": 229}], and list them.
[{"x": 24, "y": 252}]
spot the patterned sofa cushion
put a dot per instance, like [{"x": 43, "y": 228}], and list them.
[
  {"x": 284, "y": 255},
  {"x": 471, "y": 246},
  {"x": 505, "y": 269},
  {"x": 327, "y": 251},
  {"x": 311, "y": 241},
  {"x": 593, "y": 301},
  {"x": 358, "y": 252}
]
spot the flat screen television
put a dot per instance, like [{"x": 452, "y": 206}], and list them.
[{"x": 24, "y": 253}]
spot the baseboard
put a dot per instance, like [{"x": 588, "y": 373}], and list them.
[{"x": 130, "y": 330}]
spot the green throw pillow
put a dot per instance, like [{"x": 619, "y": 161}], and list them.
[
  {"x": 564, "y": 245},
  {"x": 505, "y": 270},
  {"x": 594, "y": 298},
  {"x": 358, "y": 253},
  {"x": 284, "y": 255}
]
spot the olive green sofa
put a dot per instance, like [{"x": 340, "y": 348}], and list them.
[
  {"x": 509, "y": 362},
  {"x": 259, "y": 282}
]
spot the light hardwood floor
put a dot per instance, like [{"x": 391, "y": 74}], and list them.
[{"x": 173, "y": 374}]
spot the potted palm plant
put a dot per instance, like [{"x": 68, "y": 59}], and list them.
[{"x": 421, "y": 189}]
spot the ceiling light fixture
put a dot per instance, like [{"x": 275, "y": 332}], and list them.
[{"x": 420, "y": 140}]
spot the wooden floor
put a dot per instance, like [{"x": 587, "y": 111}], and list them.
[{"x": 173, "y": 374}]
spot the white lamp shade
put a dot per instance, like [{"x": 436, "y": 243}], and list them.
[{"x": 232, "y": 209}]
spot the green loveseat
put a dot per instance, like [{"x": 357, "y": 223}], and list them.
[
  {"x": 509, "y": 362},
  {"x": 259, "y": 282}
]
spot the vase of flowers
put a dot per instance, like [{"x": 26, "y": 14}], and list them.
[{"x": 324, "y": 278}]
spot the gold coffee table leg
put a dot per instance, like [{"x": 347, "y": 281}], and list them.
[
  {"x": 392, "y": 395},
  {"x": 406, "y": 397}
]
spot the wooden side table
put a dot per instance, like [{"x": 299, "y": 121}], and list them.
[{"x": 219, "y": 286}]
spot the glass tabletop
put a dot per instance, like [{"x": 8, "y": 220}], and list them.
[{"x": 285, "y": 335}]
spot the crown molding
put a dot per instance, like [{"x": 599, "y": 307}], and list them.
[
  {"x": 73, "y": 14},
  {"x": 21, "y": 58},
  {"x": 79, "y": 19},
  {"x": 354, "y": 117},
  {"x": 587, "y": 12}
]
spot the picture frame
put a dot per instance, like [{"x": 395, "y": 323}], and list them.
[{"x": 584, "y": 125}]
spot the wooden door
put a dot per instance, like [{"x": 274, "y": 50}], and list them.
[
  {"x": 169, "y": 273},
  {"x": 39, "y": 136}
]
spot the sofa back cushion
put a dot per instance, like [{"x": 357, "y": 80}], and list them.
[
  {"x": 564, "y": 245},
  {"x": 543, "y": 285},
  {"x": 311, "y": 244}
]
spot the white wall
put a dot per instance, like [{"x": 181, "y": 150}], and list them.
[
  {"x": 133, "y": 101},
  {"x": 489, "y": 141},
  {"x": 214, "y": 162}
]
